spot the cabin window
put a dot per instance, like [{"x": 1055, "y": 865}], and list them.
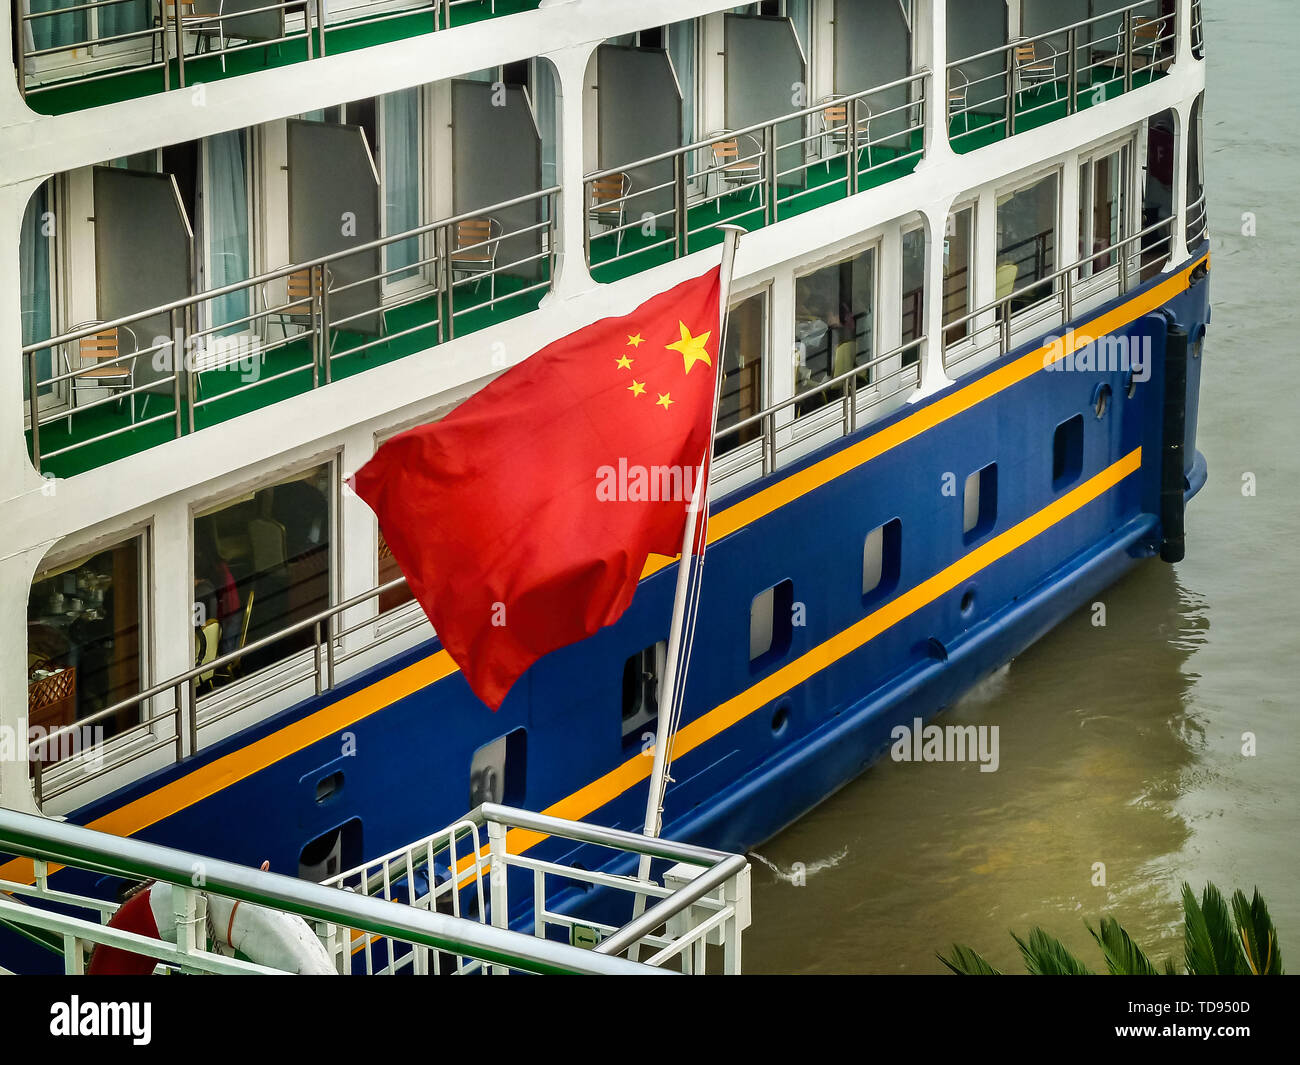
[
  {"x": 980, "y": 502},
  {"x": 1027, "y": 242},
  {"x": 880, "y": 558},
  {"x": 913, "y": 291},
  {"x": 834, "y": 326},
  {"x": 958, "y": 273},
  {"x": 742, "y": 368},
  {"x": 1103, "y": 210},
  {"x": 642, "y": 674},
  {"x": 771, "y": 623},
  {"x": 399, "y": 174},
  {"x": 261, "y": 564},
  {"x": 36, "y": 298},
  {"x": 1067, "y": 452},
  {"x": 224, "y": 195},
  {"x": 85, "y": 642}
]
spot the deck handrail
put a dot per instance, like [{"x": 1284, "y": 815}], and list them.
[
  {"x": 1010, "y": 46},
  {"x": 48, "y": 840}
]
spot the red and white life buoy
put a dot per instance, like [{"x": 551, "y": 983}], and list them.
[{"x": 267, "y": 937}]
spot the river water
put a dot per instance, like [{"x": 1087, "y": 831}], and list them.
[{"x": 1120, "y": 744}]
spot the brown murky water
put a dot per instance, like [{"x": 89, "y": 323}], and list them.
[{"x": 1121, "y": 744}]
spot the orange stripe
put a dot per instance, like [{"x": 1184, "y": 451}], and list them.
[{"x": 207, "y": 780}]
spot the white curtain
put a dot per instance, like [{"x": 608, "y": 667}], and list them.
[
  {"x": 800, "y": 13},
  {"x": 400, "y": 144},
  {"x": 681, "y": 49},
  {"x": 56, "y": 30},
  {"x": 34, "y": 272},
  {"x": 225, "y": 196},
  {"x": 124, "y": 18}
]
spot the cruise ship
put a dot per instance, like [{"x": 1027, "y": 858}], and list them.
[{"x": 248, "y": 241}]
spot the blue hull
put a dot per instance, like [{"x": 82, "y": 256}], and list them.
[{"x": 762, "y": 743}]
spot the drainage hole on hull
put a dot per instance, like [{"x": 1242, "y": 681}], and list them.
[
  {"x": 1101, "y": 401},
  {"x": 968, "y": 603},
  {"x": 780, "y": 718}
]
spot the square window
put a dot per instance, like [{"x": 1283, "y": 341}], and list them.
[
  {"x": 980, "y": 502},
  {"x": 1067, "y": 452},
  {"x": 771, "y": 623},
  {"x": 880, "y": 558}
]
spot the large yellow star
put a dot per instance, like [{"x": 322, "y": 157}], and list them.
[
  {"x": 636, "y": 388},
  {"x": 624, "y": 363},
  {"x": 692, "y": 348},
  {"x": 664, "y": 401}
]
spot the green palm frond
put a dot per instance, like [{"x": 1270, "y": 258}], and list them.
[
  {"x": 1045, "y": 955},
  {"x": 966, "y": 962},
  {"x": 1123, "y": 956},
  {"x": 1210, "y": 940},
  {"x": 1256, "y": 935}
]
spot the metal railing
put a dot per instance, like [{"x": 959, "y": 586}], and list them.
[
  {"x": 464, "y": 870},
  {"x": 1198, "y": 222},
  {"x": 768, "y": 175},
  {"x": 996, "y": 86},
  {"x": 210, "y": 341},
  {"x": 1198, "y": 30},
  {"x": 858, "y": 390},
  {"x": 417, "y": 935},
  {"x": 1111, "y": 269},
  {"x": 93, "y": 51}
]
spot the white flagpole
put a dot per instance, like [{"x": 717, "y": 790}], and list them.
[{"x": 676, "y": 648}]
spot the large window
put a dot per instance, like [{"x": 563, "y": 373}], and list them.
[
  {"x": 1103, "y": 210},
  {"x": 834, "y": 325},
  {"x": 262, "y": 563},
  {"x": 742, "y": 369},
  {"x": 1027, "y": 241},
  {"x": 84, "y": 638},
  {"x": 958, "y": 272},
  {"x": 913, "y": 290}
]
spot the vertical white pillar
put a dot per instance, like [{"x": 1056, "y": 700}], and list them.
[
  {"x": 933, "y": 376},
  {"x": 930, "y": 25},
  {"x": 15, "y": 583},
  {"x": 571, "y": 275}
]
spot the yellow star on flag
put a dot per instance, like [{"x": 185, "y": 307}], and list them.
[
  {"x": 636, "y": 388},
  {"x": 664, "y": 401},
  {"x": 692, "y": 348},
  {"x": 635, "y": 340},
  {"x": 624, "y": 363}
]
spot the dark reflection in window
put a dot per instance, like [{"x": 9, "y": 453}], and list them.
[
  {"x": 742, "y": 382},
  {"x": 833, "y": 326},
  {"x": 261, "y": 564}
]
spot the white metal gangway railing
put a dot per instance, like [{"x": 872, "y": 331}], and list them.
[
  {"x": 704, "y": 901},
  {"x": 464, "y": 870}
]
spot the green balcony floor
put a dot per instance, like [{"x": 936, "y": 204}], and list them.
[
  {"x": 78, "y": 95},
  {"x": 1037, "y": 107},
  {"x": 472, "y": 314},
  {"x": 825, "y": 184}
]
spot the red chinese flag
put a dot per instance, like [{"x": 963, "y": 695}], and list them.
[{"x": 523, "y": 519}]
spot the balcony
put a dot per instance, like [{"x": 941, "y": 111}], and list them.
[
  {"x": 78, "y": 54},
  {"x": 1034, "y": 80}
]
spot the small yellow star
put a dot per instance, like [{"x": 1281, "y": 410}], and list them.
[
  {"x": 636, "y": 388},
  {"x": 624, "y": 363},
  {"x": 635, "y": 340},
  {"x": 664, "y": 401},
  {"x": 692, "y": 348}
]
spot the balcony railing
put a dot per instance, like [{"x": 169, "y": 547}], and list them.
[
  {"x": 754, "y": 176},
  {"x": 992, "y": 330},
  {"x": 1035, "y": 80},
  {"x": 206, "y": 364},
  {"x": 81, "y": 54}
]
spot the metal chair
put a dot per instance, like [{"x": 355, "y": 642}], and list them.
[
  {"x": 203, "y": 24},
  {"x": 609, "y": 203},
  {"x": 1033, "y": 69},
  {"x": 834, "y": 117},
  {"x": 299, "y": 298},
  {"x": 958, "y": 98},
  {"x": 477, "y": 240},
  {"x": 106, "y": 369},
  {"x": 737, "y": 160},
  {"x": 1147, "y": 34}
]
